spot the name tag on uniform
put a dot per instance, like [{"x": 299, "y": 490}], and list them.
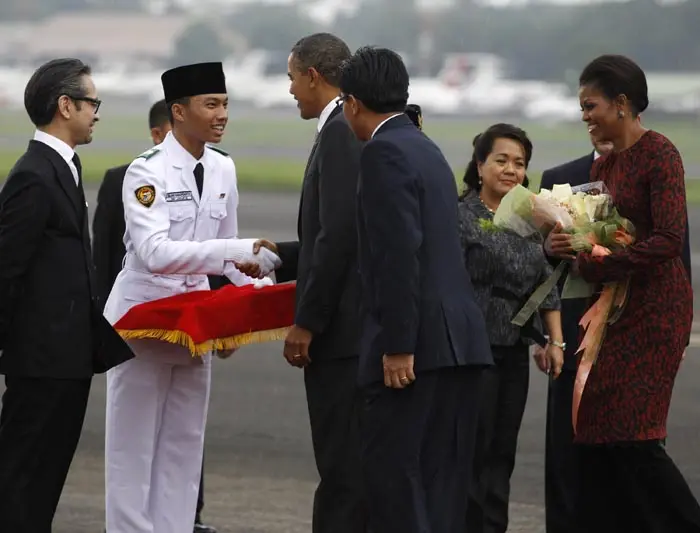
[{"x": 179, "y": 196}]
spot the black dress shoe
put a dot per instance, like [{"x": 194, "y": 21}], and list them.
[{"x": 199, "y": 527}]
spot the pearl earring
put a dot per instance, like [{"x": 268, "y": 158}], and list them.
[{"x": 620, "y": 114}]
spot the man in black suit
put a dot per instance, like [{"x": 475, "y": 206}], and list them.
[
  {"x": 108, "y": 249},
  {"x": 324, "y": 339},
  {"x": 53, "y": 336},
  {"x": 561, "y": 462},
  {"x": 424, "y": 343}
]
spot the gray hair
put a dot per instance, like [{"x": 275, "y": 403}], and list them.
[
  {"x": 323, "y": 52},
  {"x": 49, "y": 82}
]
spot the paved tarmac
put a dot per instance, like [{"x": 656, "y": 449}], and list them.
[{"x": 260, "y": 474}]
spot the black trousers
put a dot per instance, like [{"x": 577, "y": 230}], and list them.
[
  {"x": 333, "y": 401},
  {"x": 502, "y": 405},
  {"x": 561, "y": 467},
  {"x": 417, "y": 446},
  {"x": 40, "y": 426},
  {"x": 634, "y": 487}
]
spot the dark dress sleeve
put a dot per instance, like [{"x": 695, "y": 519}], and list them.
[{"x": 668, "y": 223}]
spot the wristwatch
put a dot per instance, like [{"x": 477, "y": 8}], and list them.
[{"x": 558, "y": 344}]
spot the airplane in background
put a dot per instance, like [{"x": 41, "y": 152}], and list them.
[{"x": 12, "y": 84}]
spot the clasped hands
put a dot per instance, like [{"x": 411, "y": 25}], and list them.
[
  {"x": 260, "y": 264},
  {"x": 549, "y": 360}
]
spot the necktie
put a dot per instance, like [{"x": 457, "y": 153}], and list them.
[
  {"x": 199, "y": 177},
  {"x": 78, "y": 166}
]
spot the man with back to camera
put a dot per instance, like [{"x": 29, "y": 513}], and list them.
[
  {"x": 180, "y": 206},
  {"x": 324, "y": 339},
  {"x": 562, "y": 467},
  {"x": 424, "y": 342},
  {"x": 53, "y": 336},
  {"x": 108, "y": 249}
]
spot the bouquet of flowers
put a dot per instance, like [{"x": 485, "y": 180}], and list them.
[{"x": 588, "y": 214}]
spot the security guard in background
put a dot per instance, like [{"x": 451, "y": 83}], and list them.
[{"x": 180, "y": 204}]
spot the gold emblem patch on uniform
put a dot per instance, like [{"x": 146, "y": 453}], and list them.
[{"x": 146, "y": 195}]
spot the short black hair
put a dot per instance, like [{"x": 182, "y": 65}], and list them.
[
  {"x": 378, "y": 78},
  {"x": 49, "y": 82},
  {"x": 159, "y": 114},
  {"x": 182, "y": 101},
  {"x": 323, "y": 52},
  {"x": 614, "y": 75},
  {"x": 483, "y": 146}
]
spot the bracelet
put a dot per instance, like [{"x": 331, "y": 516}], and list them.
[{"x": 558, "y": 344}]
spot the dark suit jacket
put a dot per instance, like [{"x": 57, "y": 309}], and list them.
[
  {"x": 324, "y": 259},
  {"x": 108, "y": 229},
  {"x": 51, "y": 325},
  {"x": 577, "y": 172},
  {"x": 417, "y": 297}
]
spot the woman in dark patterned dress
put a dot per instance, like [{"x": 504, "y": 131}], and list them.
[
  {"x": 628, "y": 482},
  {"x": 505, "y": 270}
]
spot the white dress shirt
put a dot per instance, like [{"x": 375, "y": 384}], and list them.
[
  {"x": 65, "y": 151},
  {"x": 323, "y": 117}
]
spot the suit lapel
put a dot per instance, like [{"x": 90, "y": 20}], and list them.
[
  {"x": 309, "y": 166},
  {"x": 63, "y": 175}
]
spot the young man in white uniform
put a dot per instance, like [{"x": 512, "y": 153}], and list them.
[{"x": 180, "y": 201}]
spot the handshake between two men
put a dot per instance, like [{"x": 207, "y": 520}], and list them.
[
  {"x": 266, "y": 259},
  {"x": 298, "y": 340},
  {"x": 398, "y": 368}
]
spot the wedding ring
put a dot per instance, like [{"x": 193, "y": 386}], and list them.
[{"x": 404, "y": 380}]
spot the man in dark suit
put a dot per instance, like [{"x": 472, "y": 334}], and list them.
[
  {"x": 324, "y": 339},
  {"x": 53, "y": 336},
  {"x": 424, "y": 343},
  {"x": 561, "y": 462},
  {"x": 108, "y": 250}
]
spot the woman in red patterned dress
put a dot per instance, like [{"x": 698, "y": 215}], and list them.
[{"x": 628, "y": 482}]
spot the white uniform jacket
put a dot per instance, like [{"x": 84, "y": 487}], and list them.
[{"x": 174, "y": 238}]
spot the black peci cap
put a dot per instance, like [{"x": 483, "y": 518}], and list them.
[
  {"x": 415, "y": 113},
  {"x": 193, "y": 80}
]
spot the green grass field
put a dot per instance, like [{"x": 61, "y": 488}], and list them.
[{"x": 270, "y": 152}]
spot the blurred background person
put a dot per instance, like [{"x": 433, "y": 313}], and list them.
[{"x": 505, "y": 269}]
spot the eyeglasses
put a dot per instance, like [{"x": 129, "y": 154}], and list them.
[{"x": 96, "y": 102}]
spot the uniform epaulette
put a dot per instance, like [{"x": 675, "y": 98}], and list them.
[
  {"x": 149, "y": 153},
  {"x": 217, "y": 149}
]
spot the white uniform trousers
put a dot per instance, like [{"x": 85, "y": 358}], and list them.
[{"x": 156, "y": 416}]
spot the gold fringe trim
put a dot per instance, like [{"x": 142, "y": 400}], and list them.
[{"x": 197, "y": 350}]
